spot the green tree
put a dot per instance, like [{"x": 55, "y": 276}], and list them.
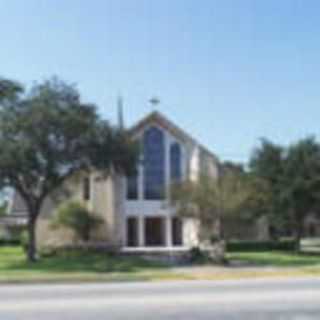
[
  {"x": 9, "y": 89},
  {"x": 49, "y": 134},
  {"x": 78, "y": 218},
  {"x": 301, "y": 183},
  {"x": 291, "y": 177},
  {"x": 266, "y": 168},
  {"x": 210, "y": 200}
]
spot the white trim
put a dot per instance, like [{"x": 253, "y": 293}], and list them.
[
  {"x": 155, "y": 249},
  {"x": 141, "y": 231},
  {"x": 168, "y": 231}
]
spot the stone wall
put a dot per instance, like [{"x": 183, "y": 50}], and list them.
[{"x": 102, "y": 203}]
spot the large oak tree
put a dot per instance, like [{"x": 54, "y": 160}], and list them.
[{"x": 48, "y": 134}]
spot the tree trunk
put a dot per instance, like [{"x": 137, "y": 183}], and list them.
[{"x": 32, "y": 248}]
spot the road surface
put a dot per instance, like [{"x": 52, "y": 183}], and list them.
[{"x": 296, "y": 299}]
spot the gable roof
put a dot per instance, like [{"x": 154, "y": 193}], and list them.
[
  {"x": 159, "y": 119},
  {"x": 17, "y": 205}
]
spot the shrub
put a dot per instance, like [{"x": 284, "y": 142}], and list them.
[
  {"x": 197, "y": 256},
  {"x": 10, "y": 237},
  {"x": 75, "y": 216},
  {"x": 47, "y": 252},
  {"x": 214, "y": 239},
  {"x": 9, "y": 242},
  {"x": 241, "y": 245}
]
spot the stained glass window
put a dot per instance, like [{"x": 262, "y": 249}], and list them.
[
  {"x": 175, "y": 163},
  {"x": 154, "y": 164},
  {"x": 132, "y": 232},
  {"x": 132, "y": 187}
]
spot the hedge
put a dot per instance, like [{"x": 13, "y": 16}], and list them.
[
  {"x": 10, "y": 242},
  {"x": 241, "y": 245}
]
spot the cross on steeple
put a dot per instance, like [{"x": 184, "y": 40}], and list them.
[{"x": 154, "y": 101}]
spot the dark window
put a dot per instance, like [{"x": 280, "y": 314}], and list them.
[
  {"x": 177, "y": 231},
  {"x": 132, "y": 232},
  {"x": 86, "y": 188},
  {"x": 154, "y": 231},
  {"x": 153, "y": 162},
  {"x": 132, "y": 187},
  {"x": 175, "y": 163}
]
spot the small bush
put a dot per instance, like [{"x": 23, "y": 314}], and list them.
[
  {"x": 75, "y": 216},
  {"x": 47, "y": 252},
  {"x": 11, "y": 238},
  {"x": 214, "y": 239},
  {"x": 197, "y": 256},
  {"x": 241, "y": 245},
  {"x": 10, "y": 242}
]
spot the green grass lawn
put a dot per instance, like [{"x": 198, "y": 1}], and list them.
[
  {"x": 74, "y": 266},
  {"x": 275, "y": 259},
  {"x": 85, "y": 266}
]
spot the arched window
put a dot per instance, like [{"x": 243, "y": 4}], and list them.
[
  {"x": 153, "y": 162},
  {"x": 175, "y": 163}
]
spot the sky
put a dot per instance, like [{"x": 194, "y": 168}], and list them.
[{"x": 229, "y": 72}]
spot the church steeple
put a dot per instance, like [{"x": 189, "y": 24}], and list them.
[{"x": 120, "y": 112}]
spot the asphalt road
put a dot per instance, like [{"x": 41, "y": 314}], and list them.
[{"x": 243, "y": 299}]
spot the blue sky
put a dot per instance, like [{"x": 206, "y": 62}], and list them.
[{"x": 229, "y": 72}]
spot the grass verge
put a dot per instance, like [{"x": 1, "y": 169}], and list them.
[
  {"x": 93, "y": 267},
  {"x": 275, "y": 259}
]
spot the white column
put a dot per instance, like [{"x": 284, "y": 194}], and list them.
[
  {"x": 141, "y": 235},
  {"x": 168, "y": 231},
  {"x": 194, "y": 164},
  {"x": 184, "y": 163},
  {"x": 124, "y": 231},
  {"x": 140, "y": 182}
]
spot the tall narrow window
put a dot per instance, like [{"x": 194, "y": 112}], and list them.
[
  {"x": 132, "y": 232},
  {"x": 153, "y": 161},
  {"x": 132, "y": 187},
  {"x": 175, "y": 163},
  {"x": 86, "y": 188},
  {"x": 177, "y": 231}
]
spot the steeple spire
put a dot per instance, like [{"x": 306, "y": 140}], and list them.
[{"x": 120, "y": 112}]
